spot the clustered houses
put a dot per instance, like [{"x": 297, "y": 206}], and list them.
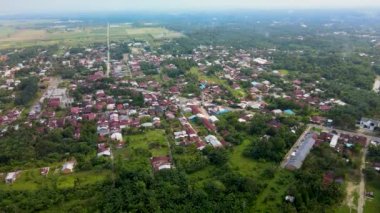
[
  {"x": 11, "y": 76},
  {"x": 188, "y": 135},
  {"x": 108, "y": 103},
  {"x": 10, "y": 117},
  {"x": 342, "y": 142}
]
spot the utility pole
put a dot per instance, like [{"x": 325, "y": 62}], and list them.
[{"x": 108, "y": 51}]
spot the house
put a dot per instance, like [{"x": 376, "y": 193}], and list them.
[
  {"x": 324, "y": 108},
  {"x": 289, "y": 198},
  {"x": 328, "y": 178},
  {"x": 376, "y": 166},
  {"x": 334, "y": 141},
  {"x": 11, "y": 177},
  {"x": 289, "y": 112},
  {"x": 147, "y": 125},
  {"x": 317, "y": 120},
  {"x": 209, "y": 126},
  {"x": 117, "y": 136},
  {"x": 54, "y": 102},
  {"x": 260, "y": 61},
  {"x": 369, "y": 124},
  {"x": 274, "y": 124},
  {"x": 75, "y": 110},
  {"x": 103, "y": 150},
  {"x": 68, "y": 167},
  {"x": 211, "y": 139},
  {"x": 44, "y": 171},
  {"x": 160, "y": 163}
]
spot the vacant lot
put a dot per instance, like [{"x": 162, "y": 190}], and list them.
[{"x": 153, "y": 141}]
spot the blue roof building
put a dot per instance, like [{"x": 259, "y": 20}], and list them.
[{"x": 289, "y": 112}]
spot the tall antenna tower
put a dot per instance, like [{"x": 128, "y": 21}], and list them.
[{"x": 108, "y": 51}]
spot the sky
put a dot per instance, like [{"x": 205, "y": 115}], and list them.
[{"x": 51, "y": 6}]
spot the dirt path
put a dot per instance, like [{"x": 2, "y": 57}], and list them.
[
  {"x": 361, "y": 200},
  {"x": 351, "y": 190}
]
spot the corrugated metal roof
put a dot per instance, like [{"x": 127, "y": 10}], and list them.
[{"x": 295, "y": 161}]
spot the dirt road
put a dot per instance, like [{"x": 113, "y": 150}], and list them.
[{"x": 361, "y": 200}]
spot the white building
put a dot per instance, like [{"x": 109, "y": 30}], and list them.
[
  {"x": 334, "y": 141},
  {"x": 211, "y": 139},
  {"x": 11, "y": 177}
]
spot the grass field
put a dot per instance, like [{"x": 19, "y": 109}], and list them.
[
  {"x": 32, "y": 179},
  {"x": 154, "y": 141},
  {"x": 271, "y": 198},
  {"x": 14, "y": 37},
  {"x": 372, "y": 205},
  {"x": 284, "y": 72},
  {"x": 272, "y": 195},
  {"x": 246, "y": 166}
]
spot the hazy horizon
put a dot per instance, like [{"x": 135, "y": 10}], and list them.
[{"x": 70, "y": 6}]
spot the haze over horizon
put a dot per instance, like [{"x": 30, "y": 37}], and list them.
[{"x": 49, "y": 6}]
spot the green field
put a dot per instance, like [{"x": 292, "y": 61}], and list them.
[
  {"x": 15, "y": 37},
  {"x": 372, "y": 205},
  {"x": 32, "y": 179},
  {"x": 154, "y": 141},
  {"x": 284, "y": 72},
  {"x": 246, "y": 166}
]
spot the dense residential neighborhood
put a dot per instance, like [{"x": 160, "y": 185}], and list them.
[{"x": 190, "y": 115}]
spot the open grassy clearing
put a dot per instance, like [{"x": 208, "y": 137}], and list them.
[
  {"x": 32, "y": 179},
  {"x": 343, "y": 209},
  {"x": 154, "y": 141},
  {"x": 244, "y": 165},
  {"x": 271, "y": 198},
  {"x": 239, "y": 93},
  {"x": 276, "y": 186},
  {"x": 372, "y": 205},
  {"x": 284, "y": 72}
]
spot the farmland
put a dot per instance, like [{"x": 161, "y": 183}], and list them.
[{"x": 11, "y": 37}]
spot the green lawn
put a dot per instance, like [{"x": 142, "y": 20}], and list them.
[
  {"x": 342, "y": 209},
  {"x": 284, "y": 72},
  {"x": 153, "y": 140},
  {"x": 373, "y": 205}
]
